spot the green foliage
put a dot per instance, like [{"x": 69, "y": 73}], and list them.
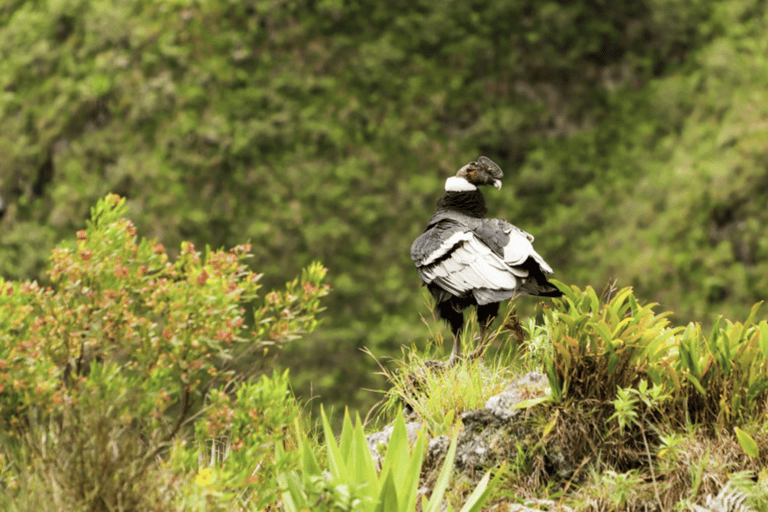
[
  {"x": 324, "y": 131},
  {"x": 232, "y": 453},
  {"x": 599, "y": 348},
  {"x": 747, "y": 443},
  {"x": 663, "y": 195},
  {"x": 610, "y": 351},
  {"x": 727, "y": 372},
  {"x": 102, "y": 370},
  {"x": 642, "y": 412},
  {"x": 355, "y": 482}
]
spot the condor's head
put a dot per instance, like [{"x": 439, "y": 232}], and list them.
[{"x": 482, "y": 172}]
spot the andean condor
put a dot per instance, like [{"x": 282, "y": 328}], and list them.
[{"x": 467, "y": 260}]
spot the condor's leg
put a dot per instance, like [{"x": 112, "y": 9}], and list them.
[
  {"x": 455, "y": 319},
  {"x": 486, "y": 314}
]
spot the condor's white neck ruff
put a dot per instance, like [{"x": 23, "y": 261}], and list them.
[{"x": 458, "y": 184}]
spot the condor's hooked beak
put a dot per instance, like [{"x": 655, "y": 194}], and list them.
[{"x": 497, "y": 184}]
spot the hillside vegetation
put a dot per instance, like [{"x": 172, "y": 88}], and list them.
[
  {"x": 632, "y": 136},
  {"x": 125, "y": 385}
]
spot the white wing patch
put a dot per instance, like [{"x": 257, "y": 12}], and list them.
[
  {"x": 519, "y": 249},
  {"x": 446, "y": 246},
  {"x": 472, "y": 266}
]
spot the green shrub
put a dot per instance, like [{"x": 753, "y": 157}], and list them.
[
  {"x": 631, "y": 392},
  {"x": 232, "y": 456},
  {"x": 101, "y": 371},
  {"x": 601, "y": 348}
]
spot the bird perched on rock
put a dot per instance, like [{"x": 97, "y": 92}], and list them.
[{"x": 467, "y": 260}]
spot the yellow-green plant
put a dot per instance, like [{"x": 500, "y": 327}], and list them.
[
  {"x": 727, "y": 372},
  {"x": 353, "y": 481},
  {"x": 439, "y": 394},
  {"x": 600, "y": 347}
]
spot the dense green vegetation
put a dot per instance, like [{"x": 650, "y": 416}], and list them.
[
  {"x": 132, "y": 383},
  {"x": 632, "y": 135}
]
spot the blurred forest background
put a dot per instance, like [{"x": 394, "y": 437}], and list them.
[{"x": 633, "y": 137}]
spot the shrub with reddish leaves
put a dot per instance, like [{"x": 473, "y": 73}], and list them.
[{"x": 128, "y": 345}]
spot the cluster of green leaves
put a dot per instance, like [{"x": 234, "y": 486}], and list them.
[
  {"x": 727, "y": 371},
  {"x": 634, "y": 399},
  {"x": 356, "y": 483},
  {"x": 602, "y": 348},
  {"x": 126, "y": 351},
  {"x": 599, "y": 348},
  {"x": 232, "y": 454}
]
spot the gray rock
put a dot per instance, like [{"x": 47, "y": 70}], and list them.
[
  {"x": 529, "y": 386},
  {"x": 490, "y": 434},
  {"x": 378, "y": 441},
  {"x": 539, "y": 504},
  {"x": 436, "y": 450}
]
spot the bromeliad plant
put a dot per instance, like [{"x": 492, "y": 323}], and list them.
[
  {"x": 606, "y": 352},
  {"x": 353, "y": 481},
  {"x": 599, "y": 348},
  {"x": 724, "y": 376},
  {"x": 117, "y": 355},
  {"x": 629, "y": 390}
]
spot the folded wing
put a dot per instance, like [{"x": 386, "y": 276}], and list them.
[{"x": 488, "y": 258}]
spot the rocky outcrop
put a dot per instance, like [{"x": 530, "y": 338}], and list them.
[
  {"x": 490, "y": 434},
  {"x": 377, "y": 442}
]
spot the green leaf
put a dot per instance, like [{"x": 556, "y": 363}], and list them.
[
  {"x": 397, "y": 449},
  {"x": 410, "y": 483},
  {"x": 620, "y": 326},
  {"x": 441, "y": 484},
  {"x": 554, "y": 383},
  {"x": 525, "y": 404},
  {"x": 619, "y": 300},
  {"x": 363, "y": 468},
  {"x": 747, "y": 443},
  {"x": 482, "y": 492},
  {"x": 292, "y": 495},
  {"x": 763, "y": 327},
  {"x": 696, "y": 383},
  {"x": 752, "y": 313},
  {"x": 568, "y": 291},
  {"x": 594, "y": 302},
  {"x": 604, "y": 333},
  {"x": 337, "y": 461},
  {"x": 347, "y": 434},
  {"x": 387, "y": 499},
  {"x": 309, "y": 462}
]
